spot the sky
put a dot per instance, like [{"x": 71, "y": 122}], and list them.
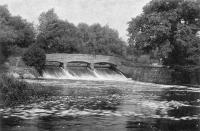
[{"x": 115, "y": 13}]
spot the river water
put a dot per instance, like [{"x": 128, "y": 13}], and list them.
[{"x": 85, "y": 105}]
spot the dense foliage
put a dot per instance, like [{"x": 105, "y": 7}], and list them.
[
  {"x": 56, "y": 35},
  {"x": 36, "y": 57},
  {"x": 14, "y": 32},
  {"x": 101, "y": 40},
  {"x": 167, "y": 30}
]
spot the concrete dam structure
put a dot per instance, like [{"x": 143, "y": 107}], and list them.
[
  {"x": 82, "y": 66},
  {"x": 90, "y": 60}
]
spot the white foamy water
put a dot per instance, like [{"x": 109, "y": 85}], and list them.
[
  {"x": 61, "y": 74},
  {"x": 84, "y": 74}
]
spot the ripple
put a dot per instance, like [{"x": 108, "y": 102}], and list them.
[
  {"x": 36, "y": 112},
  {"x": 111, "y": 101}
]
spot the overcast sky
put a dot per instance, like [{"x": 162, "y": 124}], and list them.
[{"x": 115, "y": 13}]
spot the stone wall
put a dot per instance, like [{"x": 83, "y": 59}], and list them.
[
  {"x": 162, "y": 75},
  {"x": 148, "y": 74}
]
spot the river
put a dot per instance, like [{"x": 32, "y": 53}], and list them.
[{"x": 85, "y": 105}]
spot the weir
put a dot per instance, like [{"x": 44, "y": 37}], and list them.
[{"x": 82, "y": 66}]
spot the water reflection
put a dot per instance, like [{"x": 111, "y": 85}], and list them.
[{"x": 99, "y": 105}]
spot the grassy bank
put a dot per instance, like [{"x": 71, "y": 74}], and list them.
[{"x": 14, "y": 92}]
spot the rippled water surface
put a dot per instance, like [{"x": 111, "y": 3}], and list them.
[{"x": 108, "y": 106}]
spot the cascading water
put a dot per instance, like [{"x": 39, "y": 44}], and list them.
[
  {"x": 109, "y": 74},
  {"x": 83, "y": 73},
  {"x": 56, "y": 73}
]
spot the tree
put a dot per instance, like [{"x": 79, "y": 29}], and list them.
[
  {"x": 101, "y": 40},
  {"x": 25, "y": 32},
  {"x": 60, "y": 36},
  {"x": 45, "y": 18},
  {"x": 7, "y": 37},
  {"x": 36, "y": 57},
  {"x": 56, "y": 35},
  {"x": 14, "y": 32},
  {"x": 167, "y": 30}
]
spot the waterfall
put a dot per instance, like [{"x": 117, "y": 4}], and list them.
[{"x": 83, "y": 73}]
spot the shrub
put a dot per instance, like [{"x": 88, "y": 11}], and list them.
[{"x": 35, "y": 56}]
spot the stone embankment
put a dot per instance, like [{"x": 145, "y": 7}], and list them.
[{"x": 162, "y": 75}]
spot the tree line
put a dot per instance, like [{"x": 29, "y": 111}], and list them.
[
  {"x": 166, "y": 30},
  {"x": 55, "y": 35}
]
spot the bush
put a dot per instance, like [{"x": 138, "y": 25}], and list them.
[{"x": 35, "y": 56}]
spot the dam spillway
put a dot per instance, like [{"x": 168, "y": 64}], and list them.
[
  {"x": 83, "y": 73},
  {"x": 82, "y": 67}
]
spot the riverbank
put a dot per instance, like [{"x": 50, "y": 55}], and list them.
[{"x": 14, "y": 91}]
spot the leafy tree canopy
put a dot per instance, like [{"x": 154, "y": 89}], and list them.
[
  {"x": 101, "y": 40},
  {"x": 167, "y": 29},
  {"x": 45, "y": 18},
  {"x": 56, "y": 35},
  {"x": 36, "y": 57},
  {"x": 14, "y": 31}
]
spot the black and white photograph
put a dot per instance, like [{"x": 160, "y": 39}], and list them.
[{"x": 99, "y": 65}]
